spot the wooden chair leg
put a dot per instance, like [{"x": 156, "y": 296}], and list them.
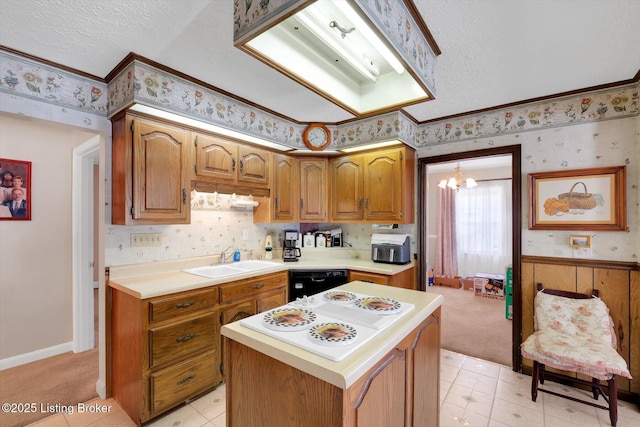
[
  {"x": 613, "y": 401},
  {"x": 541, "y": 375},
  {"x": 595, "y": 390},
  {"x": 535, "y": 376}
]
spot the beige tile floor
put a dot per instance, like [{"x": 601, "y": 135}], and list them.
[{"x": 473, "y": 393}]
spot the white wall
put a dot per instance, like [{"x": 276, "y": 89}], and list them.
[{"x": 35, "y": 256}]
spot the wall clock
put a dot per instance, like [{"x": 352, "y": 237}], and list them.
[{"x": 316, "y": 137}]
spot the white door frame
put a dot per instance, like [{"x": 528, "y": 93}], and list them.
[{"x": 85, "y": 156}]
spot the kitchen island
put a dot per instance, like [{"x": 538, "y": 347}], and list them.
[{"x": 391, "y": 380}]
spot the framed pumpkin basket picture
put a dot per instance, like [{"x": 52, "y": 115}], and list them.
[{"x": 581, "y": 199}]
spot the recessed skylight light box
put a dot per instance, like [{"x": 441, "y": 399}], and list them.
[{"x": 363, "y": 58}]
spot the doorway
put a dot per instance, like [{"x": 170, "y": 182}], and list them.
[{"x": 516, "y": 229}]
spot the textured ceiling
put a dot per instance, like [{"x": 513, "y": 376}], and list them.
[{"x": 494, "y": 52}]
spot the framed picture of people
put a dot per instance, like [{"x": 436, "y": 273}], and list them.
[{"x": 15, "y": 190}]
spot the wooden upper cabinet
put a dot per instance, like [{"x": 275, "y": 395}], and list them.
[
  {"x": 383, "y": 186},
  {"x": 375, "y": 187},
  {"x": 313, "y": 190},
  {"x": 284, "y": 192},
  {"x": 253, "y": 165},
  {"x": 215, "y": 158},
  {"x": 220, "y": 160},
  {"x": 149, "y": 172},
  {"x": 347, "y": 188}
]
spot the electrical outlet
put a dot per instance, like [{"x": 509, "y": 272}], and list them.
[
  {"x": 245, "y": 234},
  {"x": 146, "y": 239}
]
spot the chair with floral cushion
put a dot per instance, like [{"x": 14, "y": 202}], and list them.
[{"x": 574, "y": 332}]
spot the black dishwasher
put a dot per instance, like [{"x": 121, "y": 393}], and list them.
[{"x": 310, "y": 282}]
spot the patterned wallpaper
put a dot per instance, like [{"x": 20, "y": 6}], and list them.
[
  {"x": 591, "y": 129},
  {"x": 585, "y": 145}
]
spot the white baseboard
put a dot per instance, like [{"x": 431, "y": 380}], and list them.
[
  {"x": 11, "y": 362},
  {"x": 101, "y": 389}
]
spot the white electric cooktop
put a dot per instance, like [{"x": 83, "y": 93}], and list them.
[{"x": 331, "y": 324}]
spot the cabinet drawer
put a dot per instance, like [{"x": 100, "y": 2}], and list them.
[
  {"x": 379, "y": 279},
  {"x": 167, "y": 308},
  {"x": 174, "y": 385},
  {"x": 181, "y": 338},
  {"x": 247, "y": 288}
]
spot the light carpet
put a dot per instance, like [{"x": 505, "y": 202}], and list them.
[{"x": 475, "y": 326}]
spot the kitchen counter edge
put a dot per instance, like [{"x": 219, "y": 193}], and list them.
[
  {"x": 344, "y": 373},
  {"x": 157, "y": 279}
]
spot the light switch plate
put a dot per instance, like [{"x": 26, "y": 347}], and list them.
[{"x": 146, "y": 239}]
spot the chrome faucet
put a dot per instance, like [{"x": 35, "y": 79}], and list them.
[{"x": 223, "y": 255}]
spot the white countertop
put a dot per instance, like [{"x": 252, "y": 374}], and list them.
[
  {"x": 345, "y": 372},
  {"x": 161, "y": 278}
]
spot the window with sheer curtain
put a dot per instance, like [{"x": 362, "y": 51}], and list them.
[{"x": 483, "y": 228}]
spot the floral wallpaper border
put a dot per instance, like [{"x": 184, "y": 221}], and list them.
[
  {"x": 138, "y": 82},
  {"x": 26, "y": 78},
  {"x": 392, "y": 18},
  {"x": 144, "y": 84}
]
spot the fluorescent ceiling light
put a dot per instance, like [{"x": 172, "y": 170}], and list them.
[
  {"x": 314, "y": 20},
  {"x": 370, "y": 146},
  {"x": 370, "y": 35},
  {"x": 208, "y": 127},
  {"x": 331, "y": 48}
]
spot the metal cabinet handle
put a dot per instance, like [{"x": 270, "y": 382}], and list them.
[
  {"x": 184, "y": 196},
  {"x": 366, "y": 203},
  {"x": 233, "y": 164},
  {"x": 301, "y": 204},
  {"x": 258, "y": 286},
  {"x": 241, "y": 166},
  {"x": 185, "y": 338},
  {"x": 185, "y": 379},
  {"x": 186, "y": 304},
  {"x": 360, "y": 203}
]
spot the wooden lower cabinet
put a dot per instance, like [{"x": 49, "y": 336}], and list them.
[
  {"x": 401, "y": 390},
  {"x": 405, "y": 279},
  {"x": 166, "y": 350}
]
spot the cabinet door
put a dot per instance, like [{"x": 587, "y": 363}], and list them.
[
  {"x": 272, "y": 301},
  {"x": 285, "y": 189},
  {"x": 160, "y": 158},
  {"x": 383, "y": 186},
  {"x": 379, "y": 398},
  {"x": 346, "y": 188},
  {"x": 313, "y": 191},
  {"x": 238, "y": 312},
  {"x": 253, "y": 166},
  {"x": 215, "y": 158},
  {"x": 426, "y": 372}
]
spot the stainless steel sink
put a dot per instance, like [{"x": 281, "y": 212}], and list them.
[{"x": 224, "y": 270}]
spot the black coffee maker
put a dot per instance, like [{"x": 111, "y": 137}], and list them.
[{"x": 290, "y": 252}]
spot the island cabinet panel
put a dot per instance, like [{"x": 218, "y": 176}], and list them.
[
  {"x": 401, "y": 389},
  {"x": 149, "y": 173},
  {"x": 379, "y": 398}
]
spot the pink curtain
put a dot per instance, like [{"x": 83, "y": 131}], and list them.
[{"x": 446, "y": 252}]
